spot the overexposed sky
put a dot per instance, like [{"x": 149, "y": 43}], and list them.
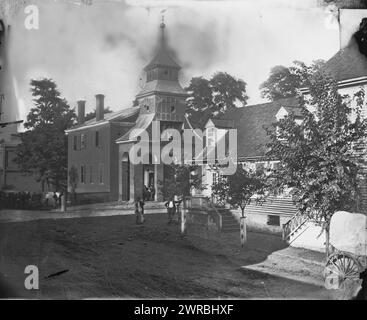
[{"x": 103, "y": 48}]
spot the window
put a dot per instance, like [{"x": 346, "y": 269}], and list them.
[
  {"x": 91, "y": 174},
  {"x": 166, "y": 106},
  {"x": 82, "y": 174},
  {"x": 83, "y": 141},
  {"x": 273, "y": 220},
  {"x": 97, "y": 139},
  {"x": 211, "y": 137},
  {"x": 75, "y": 147},
  {"x": 101, "y": 177}
]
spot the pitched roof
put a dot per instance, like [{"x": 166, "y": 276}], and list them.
[
  {"x": 108, "y": 117},
  {"x": 164, "y": 86},
  {"x": 347, "y": 63},
  {"x": 252, "y": 122},
  {"x": 163, "y": 59},
  {"x": 142, "y": 123},
  {"x": 223, "y": 123}
]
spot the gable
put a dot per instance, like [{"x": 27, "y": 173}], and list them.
[{"x": 253, "y": 123}]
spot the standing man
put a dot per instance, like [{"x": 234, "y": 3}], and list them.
[
  {"x": 139, "y": 211},
  {"x": 170, "y": 205},
  {"x": 152, "y": 192}
]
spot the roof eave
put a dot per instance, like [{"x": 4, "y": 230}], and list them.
[
  {"x": 148, "y": 93},
  {"x": 342, "y": 84},
  {"x": 93, "y": 125}
]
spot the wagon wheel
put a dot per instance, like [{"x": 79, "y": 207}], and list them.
[{"x": 340, "y": 268}]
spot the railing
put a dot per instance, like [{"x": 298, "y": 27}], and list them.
[
  {"x": 294, "y": 224},
  {"x": 203, "y": 204},
  {"x": 214, "y": 213}
]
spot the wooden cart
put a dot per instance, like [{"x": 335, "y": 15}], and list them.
[{"x": 348, "y": 247}]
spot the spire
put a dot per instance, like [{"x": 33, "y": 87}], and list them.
[
  {"x": 163, "y": 57},
  {"x": 162, "y": 26}
]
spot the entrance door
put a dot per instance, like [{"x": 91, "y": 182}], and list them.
[
  {"x": 148, "y": 180},
  {"x": 125, "y": 171},
  {"x": 151, "y": 179}
]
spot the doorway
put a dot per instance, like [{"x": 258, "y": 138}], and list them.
[
  {"x": 149, "y": 194},
  {"x": 125, "y": 178}
]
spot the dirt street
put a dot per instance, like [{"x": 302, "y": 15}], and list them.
[{"x": 112, "y": 257}]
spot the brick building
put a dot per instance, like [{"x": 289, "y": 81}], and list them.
[{"x": 98, "y": 149}]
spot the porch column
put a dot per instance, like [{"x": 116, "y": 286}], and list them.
[
  {"x": 136, "y": 181},
  {"x": 158, "y": 181}
]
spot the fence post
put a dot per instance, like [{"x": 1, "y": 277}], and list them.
[
  {"x": 243, "y": 231},
  {"x": 183, "y": 217},
  {"x": 63, "y": 203}
]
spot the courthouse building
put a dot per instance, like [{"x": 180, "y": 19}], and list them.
[{"x": 98, "y": 149}]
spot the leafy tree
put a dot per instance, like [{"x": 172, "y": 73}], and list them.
[
  {"x": 92, "y": 114},
  {"x": 73, "y": 181},
  {"x": 180, "y": 179},
  {"x": 283, "y": 82},
  {"x": 215, "y": 96},
  {"x": 318, "y": 157},
  {"x": 43, "y": 147},
  {"x": 239, "y": 188}
]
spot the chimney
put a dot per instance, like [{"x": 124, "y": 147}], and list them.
[
  {"x": 81, "y": 111},
  {"x": 99, "y": 107}
]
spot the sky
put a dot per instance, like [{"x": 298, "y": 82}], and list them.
[{"x": 103, "y": 48}]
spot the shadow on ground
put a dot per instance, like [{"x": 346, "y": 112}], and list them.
[{"x": 115, "y": 258}]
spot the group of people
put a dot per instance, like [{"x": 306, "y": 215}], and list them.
[
  {"x": 27, "y": 201},
  {"x": 20, "y": 200},
  {"x": 173, "y": 206},
  {"x": 148, "y": 193}
]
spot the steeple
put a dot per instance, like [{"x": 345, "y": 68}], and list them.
[
  {"x": 162, "y": 26},
  {"x": 162, "y": 58},
  {"x": 162, "y": 90}
]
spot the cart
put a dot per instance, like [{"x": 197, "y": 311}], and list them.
[{"x": 348, "y": 249}]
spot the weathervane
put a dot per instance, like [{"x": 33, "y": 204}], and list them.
[{"x": 162, "y": 13}]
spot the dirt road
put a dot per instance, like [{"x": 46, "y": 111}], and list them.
[{"x": 113, "y": 257}]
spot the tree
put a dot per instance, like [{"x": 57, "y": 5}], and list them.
[
  {"x": 212, "y": 97},
  {"x": 284, "y": 82},
  {"x": 238, "y": 189},
  {"x": 43, "y": 147},
  {"x": 92, "y": 114},
  {"x": 319, "y": 157},
  {"x": 73, "y": 181},
  {"x": 180, "y": 179}
]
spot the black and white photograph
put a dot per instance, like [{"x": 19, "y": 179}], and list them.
[{"x": 179, "y": 150}]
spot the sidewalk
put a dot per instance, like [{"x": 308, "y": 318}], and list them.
[
  {"x": 82, "y": 211},
  {"x": 114, "y": 206}
]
